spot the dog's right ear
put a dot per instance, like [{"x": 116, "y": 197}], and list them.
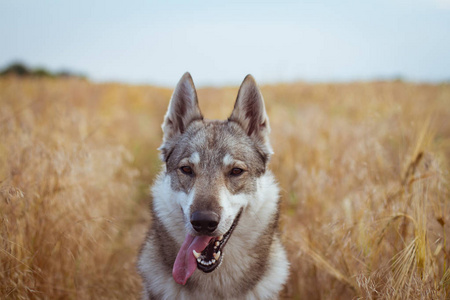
[
  {"x": 183, "y": 109},
  {"x": 249, "y": 112}
]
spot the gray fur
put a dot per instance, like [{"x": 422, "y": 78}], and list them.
[{"x": 254, "y": 265}]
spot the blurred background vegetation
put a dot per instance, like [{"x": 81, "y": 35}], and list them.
[
  {"x": 22, "y": 70},
  {"x": 362, "y": 166}
]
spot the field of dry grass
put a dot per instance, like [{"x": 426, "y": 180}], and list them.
[{"x": 363, "y": 169}]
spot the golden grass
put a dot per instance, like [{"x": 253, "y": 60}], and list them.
[{"x": 363, "y": 169}]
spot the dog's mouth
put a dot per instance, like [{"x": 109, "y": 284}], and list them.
[
  {"x": 211, "y": 257},
  {"x": 202, "y": 252}
]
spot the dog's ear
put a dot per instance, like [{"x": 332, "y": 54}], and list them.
[
  {"x": 250, "y": 113},
  {"x": 183, "y": 109}
]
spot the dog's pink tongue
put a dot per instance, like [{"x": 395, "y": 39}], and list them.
[{"x": 185, "y": 263}]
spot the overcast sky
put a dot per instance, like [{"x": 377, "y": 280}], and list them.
[{"x": 220, "y": 42}]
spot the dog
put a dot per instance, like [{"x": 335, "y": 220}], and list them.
[{"x": 215, "y": 209}]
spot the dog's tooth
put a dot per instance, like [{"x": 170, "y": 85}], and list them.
[
  {"x": 213, "y": 261},
  {"x": 196, "y": 254},
  {"x": 220, "y": 238},
  {"x": 199, "y": 260},
  {"x": 217, "y": 243},
  {"x": 216, "y": 255}
]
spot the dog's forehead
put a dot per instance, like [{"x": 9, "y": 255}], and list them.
[
  {"x": 215, "y": 139},
  {"x": 208, "y": 142}
]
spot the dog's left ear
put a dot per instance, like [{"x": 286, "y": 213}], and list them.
[
  {"x": 183, "y": 110},
  {"x": 250, "y": 113}
]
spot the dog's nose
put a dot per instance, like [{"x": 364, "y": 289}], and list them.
[{"x": 204, "y": 221}]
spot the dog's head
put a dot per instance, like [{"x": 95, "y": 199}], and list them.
[{"x": 214, "y": 166}]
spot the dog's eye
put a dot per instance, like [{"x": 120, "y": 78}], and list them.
[
  {"x": 187, "y": 170},
  {"x": 236, "y": 172}
]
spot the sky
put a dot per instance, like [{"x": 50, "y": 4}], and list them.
[{"x": 219, "y": 42}]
